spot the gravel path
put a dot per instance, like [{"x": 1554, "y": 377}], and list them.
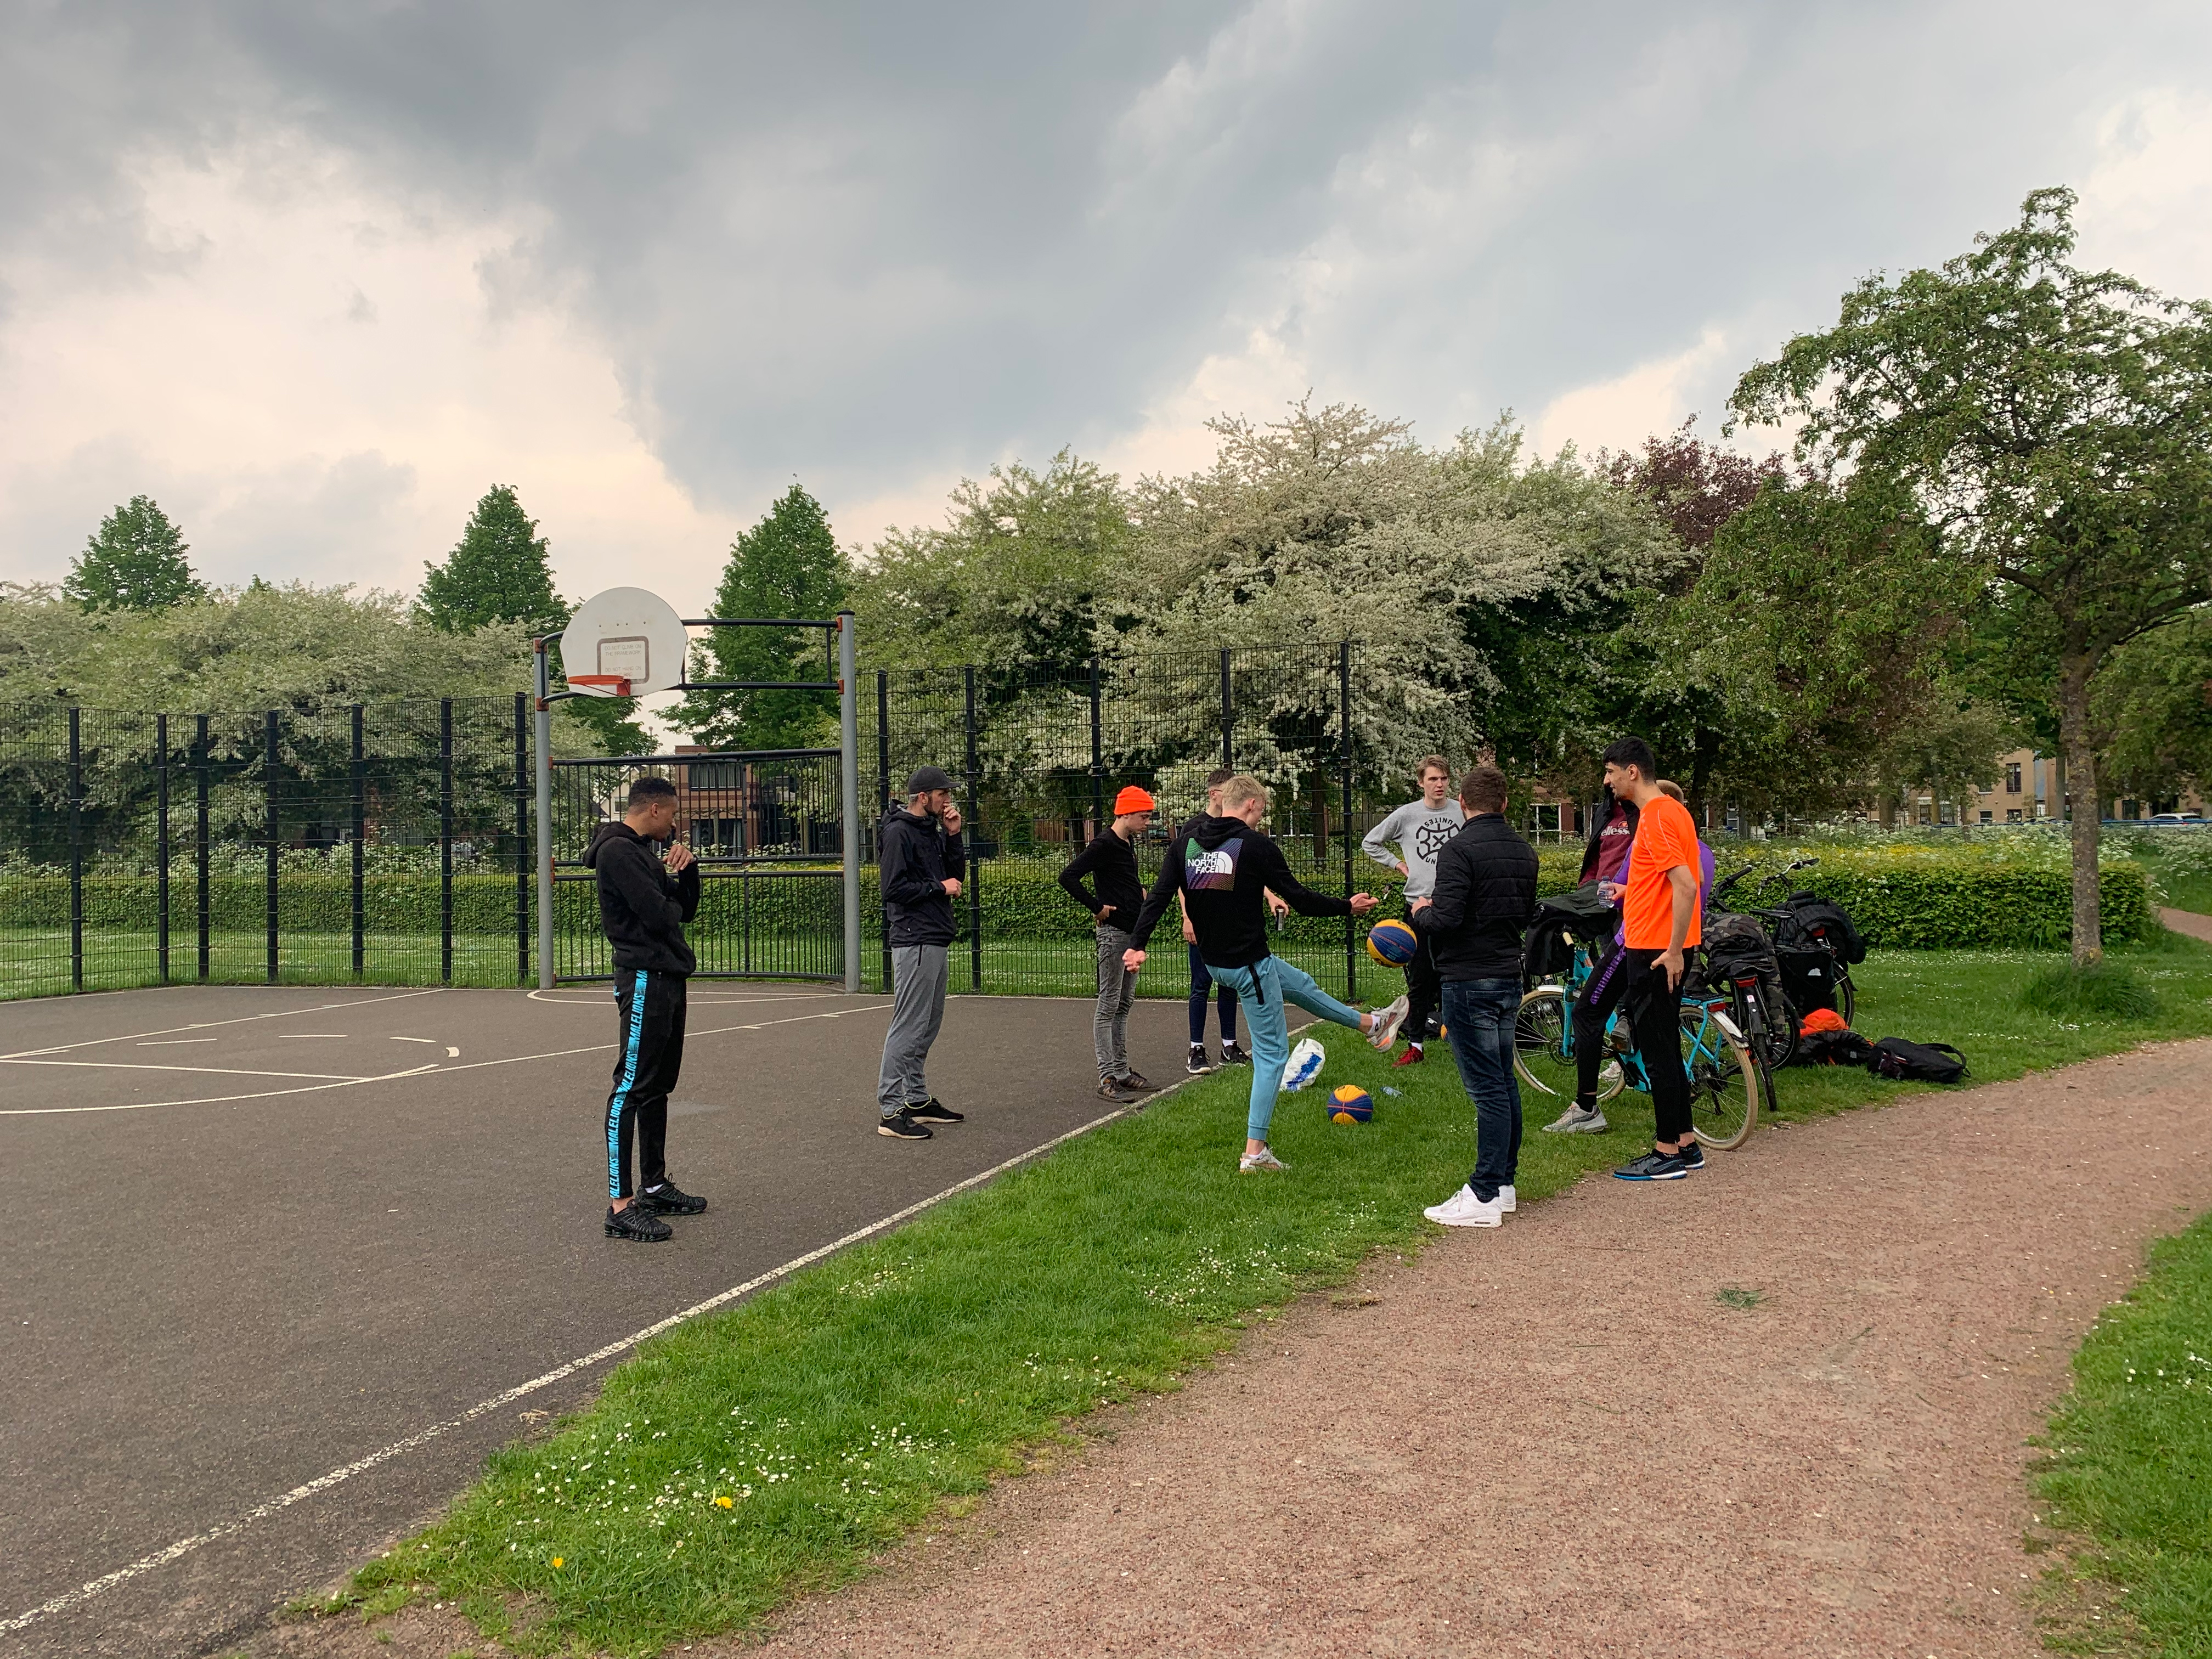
[
  {"x": 1560, "y": 1438},
  {"x": 2189, "y": 922},
  {"x": 1571, "y": 1436}
]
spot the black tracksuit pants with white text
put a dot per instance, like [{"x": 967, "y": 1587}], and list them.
[{"x": 650, "y": 1007}]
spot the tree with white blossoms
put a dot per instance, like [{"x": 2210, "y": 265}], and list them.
[{"x": 1333, "y": 523}]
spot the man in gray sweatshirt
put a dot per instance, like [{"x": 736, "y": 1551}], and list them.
[{"x": 1419, "y": 829}]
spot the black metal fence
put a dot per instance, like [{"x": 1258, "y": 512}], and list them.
[
  {"x": 387, "y": 842},
  {"x": 391, "y": 842},
  {"x": 1038, "y": 758}
]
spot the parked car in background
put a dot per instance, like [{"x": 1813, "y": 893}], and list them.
[{"x": 2176, "y": 820}]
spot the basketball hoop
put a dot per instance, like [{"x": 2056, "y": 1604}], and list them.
[
  {"x": 629, "y": 642},
  {"x": 601, "y": 686}
]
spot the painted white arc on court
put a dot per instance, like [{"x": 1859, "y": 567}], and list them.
[
  {"x": 210, "y": 1024},
  {"x": 184, "y": 1546}
]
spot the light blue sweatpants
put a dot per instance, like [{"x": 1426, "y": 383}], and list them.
[{"x": 1264, "y": 990}]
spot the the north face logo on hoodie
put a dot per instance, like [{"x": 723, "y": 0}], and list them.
[{"x": 1215, "y": 871}]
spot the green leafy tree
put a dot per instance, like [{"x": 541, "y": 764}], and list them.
[
  {"x": 2055, "y": 426},
  {"x": 500, "y": 573},
  {"x": 2156, "y": 698},
  {"x": 1015, "y": 574},
  {"x": 135, "y": 561},
  {"x": 497, "y": 573},
  {"x": 788, "y": 565}
]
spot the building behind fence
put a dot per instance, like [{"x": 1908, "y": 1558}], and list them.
[{"x": 392, "y": 842}]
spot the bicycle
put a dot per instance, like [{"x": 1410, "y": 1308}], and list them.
[
  {"x": 1783, "y": 927},
  {"x": 1727, "y": 1079}
]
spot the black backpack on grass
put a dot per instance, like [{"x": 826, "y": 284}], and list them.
[
  {"x": 1815, "y": 921},
  {"x": 1917, "y": 1062}
]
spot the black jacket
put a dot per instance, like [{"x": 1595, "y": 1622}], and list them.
[
  {"x": 914, "y": 857},
  {"x": 1485, "y": 894},
  {"x": 1111, "y": 863},
  {"x": 1220, "y": 865},
  {"x": 641, "y": 907}
]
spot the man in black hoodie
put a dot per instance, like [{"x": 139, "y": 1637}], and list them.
[
  {"x": 920, "y": 860},
  {"x": 1224, "y": 868},
  {"x": 644, "y": 902},
  {"x": 1485, "y": 892}
]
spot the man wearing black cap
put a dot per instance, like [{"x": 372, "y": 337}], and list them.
[{"x": 920, "y": 860}]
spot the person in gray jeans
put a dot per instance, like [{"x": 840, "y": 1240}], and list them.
[
  {"x": 1110, "y": 861},
  {"x": 920, "y": 860}
]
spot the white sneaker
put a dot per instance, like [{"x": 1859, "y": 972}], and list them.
[
  {"x": 1260, "y": 1163},
  {"x": 1507, "y": 1201},
  {"x": 1387, "y": 1022},
  {"x": 1578, "y": 1120},
  {"x": 1464, "y": 1209}
]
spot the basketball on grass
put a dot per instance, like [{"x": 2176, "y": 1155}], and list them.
[
  {"x": 1350, "y": 1104},
  {"x": 1391, "y": 943}
]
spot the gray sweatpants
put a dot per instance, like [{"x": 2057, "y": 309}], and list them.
[
  {"x": 1117, "y": 989},
  {"x": 918, "y": 976}
]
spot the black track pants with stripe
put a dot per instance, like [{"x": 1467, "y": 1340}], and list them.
[{"x": 646, "y": 1060}]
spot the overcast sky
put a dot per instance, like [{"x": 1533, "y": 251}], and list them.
[{"x": 315, "y": 274}]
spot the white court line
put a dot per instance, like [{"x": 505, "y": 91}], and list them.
[
  {"x": 172, "y": 1043},
  {"x": 210, "y": 1100},
  {"x": 432, "y": 1041},
  {"x": 184, "y": 1546},
  {"x": 210, "y": 1024},
  {"x": 387, "y": 1077},
  {"x": 144, "y": 1066}
]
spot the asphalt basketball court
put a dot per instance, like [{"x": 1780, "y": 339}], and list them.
[{"x": 286, "y": 1263}]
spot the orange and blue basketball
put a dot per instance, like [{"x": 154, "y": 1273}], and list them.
[
  {"x": 1350, "y": 1104},
  {"x": 1391, "y": 943}
]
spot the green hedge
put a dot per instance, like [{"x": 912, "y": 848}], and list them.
[
  {"x": 304, "y": 904},
  {"x": 1910, "y": 896}
]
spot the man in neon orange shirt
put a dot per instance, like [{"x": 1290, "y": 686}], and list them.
[{"x": 1659, "y": 921}]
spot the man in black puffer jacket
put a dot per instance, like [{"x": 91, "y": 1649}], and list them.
[
  {"x": 1486, "y": 893},
  {"x": 920, "y": 860}
]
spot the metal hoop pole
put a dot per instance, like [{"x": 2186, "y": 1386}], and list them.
[{"x": 848, "y": 783}]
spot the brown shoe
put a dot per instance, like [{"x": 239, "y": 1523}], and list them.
[
  {"x": 1111, "y": 1089},
  {"x": 1136, "y": 1082}
]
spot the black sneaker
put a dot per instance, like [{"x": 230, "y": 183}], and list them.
[
  {"x": 1111, "y": 1089},
  {"x": 636, "y": 1225},
  {"x": 1692, "y": 1157},
  {"x": 1136, "y": 1082},
  {"x": 1654, "y": 1165},
  {"x": 1198, "y": 1065},
  {"x": 934, "y": 1110},
  {"x": 901, "y": 1126},
  {"x": 668, "y": 1199},
  {"x": 1233, "y": 1055}
]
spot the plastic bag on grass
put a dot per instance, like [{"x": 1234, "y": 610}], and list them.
[{"x": 1304, "y": 1064}]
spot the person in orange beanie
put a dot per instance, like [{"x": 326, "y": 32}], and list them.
[{"x": 1115, "y": 898}]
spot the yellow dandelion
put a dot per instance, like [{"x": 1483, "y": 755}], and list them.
[
  {"x": 723, "y": 1502},
  {"x": 556, "y": 1560}
]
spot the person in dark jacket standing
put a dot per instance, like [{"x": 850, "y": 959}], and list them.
[
  {"x": 1485, "y": 892},
  {"x": 1603, "y": 861},
  {"x": 920, "y": 862},
  {"x": 1111, "y": 863},
  {"x": 645, "y": 899},
  {"x": 1224, "y": 869}
]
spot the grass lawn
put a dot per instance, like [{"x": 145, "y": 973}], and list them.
[
  {"x": 2130, "y": 1468},
  {"x": 772, "y": 1449}
]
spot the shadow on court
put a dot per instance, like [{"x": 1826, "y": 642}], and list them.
[{"x": 263, "y": 1235}]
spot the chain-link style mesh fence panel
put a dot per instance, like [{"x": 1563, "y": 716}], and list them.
[
  {"x": 1038, "y": 758},
  {"x": 387, "y": 842},
  {"x": 391, "y": 842}
]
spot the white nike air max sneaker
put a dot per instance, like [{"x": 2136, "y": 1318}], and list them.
[{"x": 1464, "y": 1209}]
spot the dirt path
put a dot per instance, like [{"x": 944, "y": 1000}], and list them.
[
  {"x": 1558, "y": 1438},
  {"x": 1562, "y": 1437},
  {"x": 2189, "y": 922}
]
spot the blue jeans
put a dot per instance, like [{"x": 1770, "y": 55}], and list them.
[
  {"x": 1480, "y": 1013},
  {"x": 1264, "y": 990}
]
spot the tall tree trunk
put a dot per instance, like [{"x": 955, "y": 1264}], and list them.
[
  {"x": 1703, "y": 748},
  {"x": 2078, "y": 758}
]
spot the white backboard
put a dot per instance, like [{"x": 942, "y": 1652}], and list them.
[{"x": 630, "y": 632}]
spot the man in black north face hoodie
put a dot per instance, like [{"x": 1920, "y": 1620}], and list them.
[
  {"x": 644, "y": 903},
  {"x": 920, "y": 859}
]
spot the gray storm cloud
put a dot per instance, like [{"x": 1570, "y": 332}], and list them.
[{"x": 871, "y": 242}]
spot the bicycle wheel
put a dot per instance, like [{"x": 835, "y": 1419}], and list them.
[
  {"x": 1847, "y": 1001},
  {"x": 1543, "y": 1048},
  {"x": 1780, "y": 1020},
  {"x": 1726, "y": 1079}
]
